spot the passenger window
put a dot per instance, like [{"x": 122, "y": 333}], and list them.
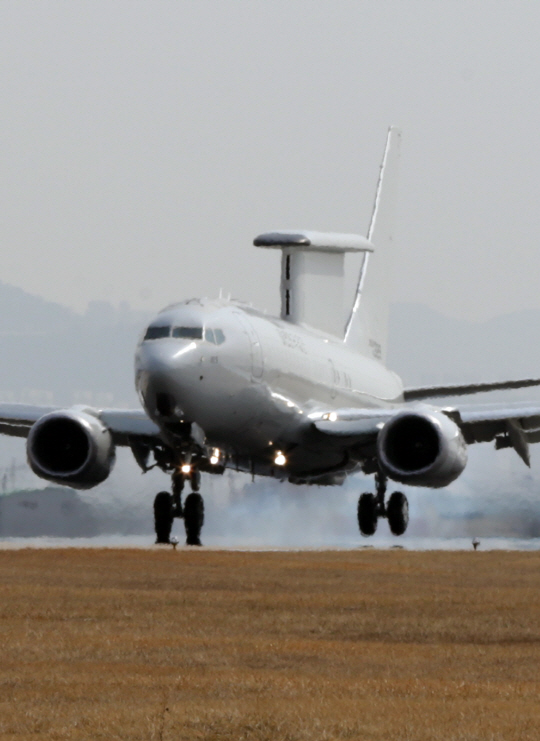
[
  {"x": 188, "y": 333},
  {"x": 209, "y": 336},
  {"x": 220, "y": 337},
  {"x": 156, "y": 333}
]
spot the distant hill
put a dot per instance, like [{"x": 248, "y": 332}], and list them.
[
  {"x": 50, "y": 354},
  {"x": 426, "y": 347},
  {"x": 52, "y": 511},
  {"x": 22, "y": 313}
]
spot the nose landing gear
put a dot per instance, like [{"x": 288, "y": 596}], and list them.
[
  {"x": 169, "y": 506},
  {"x": 193, "y": 518},
  {"x": 372, "y": 506},
  {"x": 163, "y": 516}
]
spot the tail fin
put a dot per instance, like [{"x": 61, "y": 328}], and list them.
[{"x": 367, "y": 326}]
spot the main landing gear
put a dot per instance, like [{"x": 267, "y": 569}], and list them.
[
  {"x": 373, "y": 506},
  {"x": 168, "y": 506}
]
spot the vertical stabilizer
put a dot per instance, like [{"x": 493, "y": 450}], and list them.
[{"x": 367, "y": 327}]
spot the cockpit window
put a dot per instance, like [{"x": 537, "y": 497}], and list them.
[
  {"x": 156, "y": 333},
  {"x": 215, "y": 336},
  {"x": 188, "y": 333}
]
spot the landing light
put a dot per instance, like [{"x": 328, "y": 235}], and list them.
[
  {"x": 186, "y": 468},
  {"x": 280, "y": 459},
  {"x": 330, "y": 416}
]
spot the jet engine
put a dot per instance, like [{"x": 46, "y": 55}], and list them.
[
  {"x": 72, "y": 448},
  {"x": 422, "y": 448}
]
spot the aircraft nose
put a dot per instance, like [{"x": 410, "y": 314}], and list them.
[
  {"x": 163, "y": 357},
  {"x": 163, "y": 375}
]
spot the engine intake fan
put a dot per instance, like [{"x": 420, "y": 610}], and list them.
[
  {"x": 71, "y": 447},
  {"x": 422, "y": 449}
]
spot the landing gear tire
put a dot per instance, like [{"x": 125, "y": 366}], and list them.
[
  {"x": 397, "y": 512},
  {"x": 193, "y": 518},
  {"x": 367, "y": 514},
  {"x": 163, "y": 516}
]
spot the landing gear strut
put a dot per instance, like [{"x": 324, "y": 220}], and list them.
[
  {"x": 177, "y": 489},
  {"x": 168, "y": 506},
  {"x": 373, "y": 506}
]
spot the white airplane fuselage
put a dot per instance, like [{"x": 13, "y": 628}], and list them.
[
  {"x": 304, "y": 397},
  {"x": 252, "y": 383}
]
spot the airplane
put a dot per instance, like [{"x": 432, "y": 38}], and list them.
[{"x": 303, "y": 397}]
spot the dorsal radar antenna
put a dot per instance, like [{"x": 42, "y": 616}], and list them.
[{"x": 312, "y": 275}]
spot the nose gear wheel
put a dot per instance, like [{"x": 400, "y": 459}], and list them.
[
  {"x": 168, "y": 506},
  {"x": 193, "y": 518},
  {"x": 163, "y": 516}
]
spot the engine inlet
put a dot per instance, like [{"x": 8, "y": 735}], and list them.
[
  {"x": 412, "y": 443},
  {"x": 61, "y": 445}
]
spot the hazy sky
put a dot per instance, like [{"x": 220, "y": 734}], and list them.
[{"x": 144, "y": 144}]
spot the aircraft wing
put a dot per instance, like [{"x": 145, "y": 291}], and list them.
[
  {"x": 509, "y": 425},
  {"x": 432, "y": 392},
  {"x": 125, "y": 424},
  {"x": 351, "y": 426}
]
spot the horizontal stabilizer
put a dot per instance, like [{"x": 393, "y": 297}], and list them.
[{"x": 432, "y": 392}]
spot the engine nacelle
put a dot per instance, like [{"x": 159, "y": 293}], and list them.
[
  {"x": 72, "y": 448},
  {"x": 422, "y": 448}
]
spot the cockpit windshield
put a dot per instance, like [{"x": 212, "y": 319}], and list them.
[
  {"x": 215, "y": 336},
  {"x": 188, "y": 333},
  {"x": 156, "y": 333}
]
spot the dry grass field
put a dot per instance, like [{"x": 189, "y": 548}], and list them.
[{"x": 195, "y": 644}]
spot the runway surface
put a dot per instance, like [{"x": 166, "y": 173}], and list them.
[{"x": 229, "y": 544}]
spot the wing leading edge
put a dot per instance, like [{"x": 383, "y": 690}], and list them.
[
  {"x": 16, "y": 420},
  {"x": 433, "y": 392},
  {"x": 510, "y": 426}
]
